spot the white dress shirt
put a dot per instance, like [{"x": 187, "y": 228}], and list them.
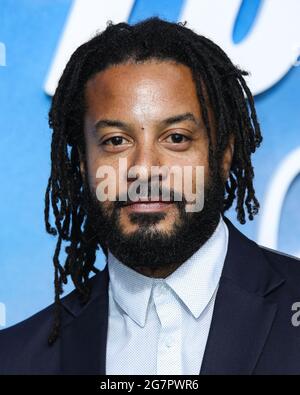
[{"x": 160, "y": 326}]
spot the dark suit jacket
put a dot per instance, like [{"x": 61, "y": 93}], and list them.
[{"x": 251, "y": 330}]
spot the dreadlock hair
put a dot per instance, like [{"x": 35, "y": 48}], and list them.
[{"x": 226, "y": 91}]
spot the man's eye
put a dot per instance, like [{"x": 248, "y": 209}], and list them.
[
  {"x": 116, "y": 140},
  {"x": 177, "y": 138}
]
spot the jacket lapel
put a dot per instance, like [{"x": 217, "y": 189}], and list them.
[
  {"x": 240, "y": 326},
  {"x": 83, "y": 339},
  {"x": 242, "y": 316}
]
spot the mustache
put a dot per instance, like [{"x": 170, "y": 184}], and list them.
[{"x": 165, "y": 195}]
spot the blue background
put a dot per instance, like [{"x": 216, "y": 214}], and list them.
[{"x": 30, "y": 30}]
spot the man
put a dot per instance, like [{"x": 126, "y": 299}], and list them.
[{"x": 183, "y": 291}]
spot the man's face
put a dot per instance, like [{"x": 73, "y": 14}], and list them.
[{"x": 148, "y": 114}]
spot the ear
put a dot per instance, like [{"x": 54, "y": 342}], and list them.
[{"x": 227, "y": 157}]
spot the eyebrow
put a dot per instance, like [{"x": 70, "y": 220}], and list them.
[
  {"x": 188, "y": 116},
  {"x": 115, "y": 123}
]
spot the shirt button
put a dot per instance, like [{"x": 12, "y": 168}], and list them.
[{"x": 169, "y": 342}]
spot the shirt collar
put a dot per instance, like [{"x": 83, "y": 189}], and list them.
[
  {"x": 130, "y": 289},
  {"x": 194, "y": 282}
]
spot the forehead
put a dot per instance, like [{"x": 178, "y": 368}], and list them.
[{"x": 154, "y": 87}]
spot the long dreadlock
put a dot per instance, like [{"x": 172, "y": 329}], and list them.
[{"x": 225, "y": 89}]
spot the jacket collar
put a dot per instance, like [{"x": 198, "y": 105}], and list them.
[{"x": 84, "y": 334}]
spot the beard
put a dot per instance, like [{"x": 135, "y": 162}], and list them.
[{"x": 148, "y": 246}]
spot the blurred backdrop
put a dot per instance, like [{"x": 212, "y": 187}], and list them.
[{"x": 36, "y": 39}]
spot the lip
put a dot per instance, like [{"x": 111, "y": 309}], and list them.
[{"x": 148, "y": 206}]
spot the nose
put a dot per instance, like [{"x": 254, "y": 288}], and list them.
[{"x": 143, "y": 158}]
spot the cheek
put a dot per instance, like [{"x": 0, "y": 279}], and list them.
[
  {"x": 106, "y": 177},
  {"x": 193, "y": 165}
]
